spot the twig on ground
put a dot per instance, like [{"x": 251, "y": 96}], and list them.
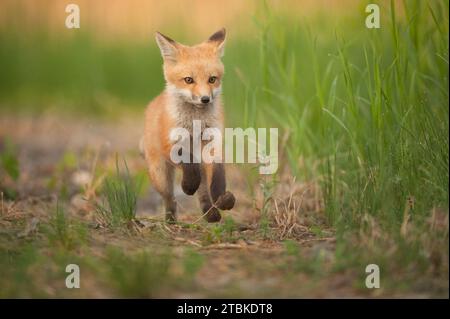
[
  {"x": 225, "y": 246},
  {"x": 189, "y": 241}
]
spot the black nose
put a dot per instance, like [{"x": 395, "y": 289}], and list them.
[{"x": 205, "y": 99}]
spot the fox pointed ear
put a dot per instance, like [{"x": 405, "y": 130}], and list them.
[
  {"x": 167, "y": 46},
  {"x": 218, "y": 39}
]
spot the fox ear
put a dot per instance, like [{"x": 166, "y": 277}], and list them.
[
  {"x": 218, "y": 39},
  {"x": 167, "y": 46}
]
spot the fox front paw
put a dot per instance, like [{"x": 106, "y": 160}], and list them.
[
  {"x": 191, "y": 179},
  {"x": 226, "y": 201},
  {"x": 189, "y": 188}
]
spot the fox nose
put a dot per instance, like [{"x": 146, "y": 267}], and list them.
[{"x": 204, "y": 99}]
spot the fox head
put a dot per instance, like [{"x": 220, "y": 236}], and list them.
[{"x": 193, "y": 73}]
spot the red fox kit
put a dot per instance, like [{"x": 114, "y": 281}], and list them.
[{"x": 193, "y": 87}]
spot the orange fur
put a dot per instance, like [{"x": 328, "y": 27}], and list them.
[{"x": 177, "y": 106}]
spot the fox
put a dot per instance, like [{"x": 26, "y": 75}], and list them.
[{"x": 193, "y": 76}]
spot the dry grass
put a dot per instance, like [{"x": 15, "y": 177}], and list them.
[{"x": 286, "y": 214}]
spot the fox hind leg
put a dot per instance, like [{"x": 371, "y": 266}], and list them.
[{"x": 162, "y": 174}]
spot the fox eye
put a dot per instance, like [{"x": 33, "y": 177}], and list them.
[
  {"x": 188, "y": 80},
  {"x": 212, "y": 79}
]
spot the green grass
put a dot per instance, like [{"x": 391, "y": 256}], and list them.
[
  {"x": 223, "y": 232},
  {"x": 371, "y": 111},
  {"x": 8, "y": 159},
  {"x": 312, "y": 264},
  {"x": 57, "y": 182},
  {"x": 120, "y": 198},
  {"x": 9, "y": 167},
  {"x": 64, "y": 232},
  {"x": 140, "y": 275},
  {"x": 37, "y": 270}
]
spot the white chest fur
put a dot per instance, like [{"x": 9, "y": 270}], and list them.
[{"x": 184, "y": 115}]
